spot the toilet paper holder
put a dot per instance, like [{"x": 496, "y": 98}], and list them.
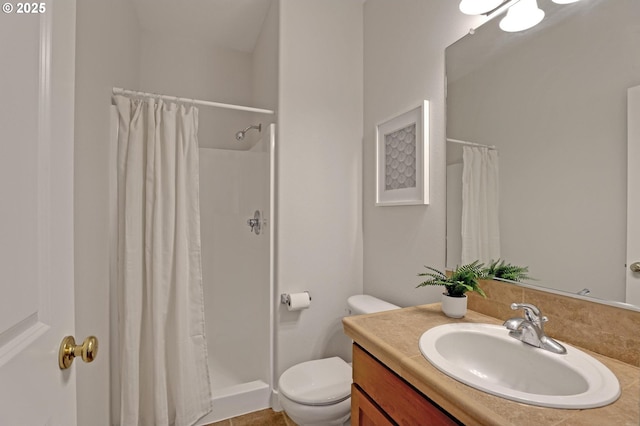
[{"x": 285, "y": 299}]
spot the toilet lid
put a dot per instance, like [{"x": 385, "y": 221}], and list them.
[{"x": 318, "y": 382}]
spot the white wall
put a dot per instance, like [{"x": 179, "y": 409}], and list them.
[
  {"x": 265, "y": 71},
  {"x": 265, "y": 65},
  {"x": 404, "y": 44},
  {"x": 106, "y": 56},
  {"x": 194, "y": 69},
  {"x": 319, "y": 233}
]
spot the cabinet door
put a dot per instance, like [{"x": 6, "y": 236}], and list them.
[
  {"x": 395, "y": 397},
  {"x": 364, "y": 412}
]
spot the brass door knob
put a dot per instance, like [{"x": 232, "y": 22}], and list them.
[
  {"x": 635, "y": 267},
  {"x": 69, "y": 350}
]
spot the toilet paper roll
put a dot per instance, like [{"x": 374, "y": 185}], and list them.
[{"x": 298, "y": 301}]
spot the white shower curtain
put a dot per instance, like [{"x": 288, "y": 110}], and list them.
[
  {"x": 480, "y": 227},
  {"x": 163, "y": 353}
]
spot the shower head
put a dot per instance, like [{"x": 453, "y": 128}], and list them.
[{"x": 240, "y": 134}]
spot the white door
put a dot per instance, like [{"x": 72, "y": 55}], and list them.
[
  {"x": 37, "y": 48},
  {"x": 633, "y": 197}
]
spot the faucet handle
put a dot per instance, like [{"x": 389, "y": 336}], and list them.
[{"x": 531, "y": 313}]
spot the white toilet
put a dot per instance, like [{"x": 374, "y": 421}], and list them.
[{"x": 318, "y": 392}]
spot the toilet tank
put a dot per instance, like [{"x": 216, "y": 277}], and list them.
[{"x": 365, "y": 304}]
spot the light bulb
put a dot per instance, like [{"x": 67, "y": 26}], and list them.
[
  {"x": 522, "y": 16},
  {"x": 478, "y": 7}
]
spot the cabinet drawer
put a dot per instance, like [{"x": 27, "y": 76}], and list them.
[
  {"x": 364, "y": 412},
  {"x": 398, "y": 399}
]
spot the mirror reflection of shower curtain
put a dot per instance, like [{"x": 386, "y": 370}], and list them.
[
  {"x": 480, "y": 227},
  {"x": 163, "y": 355}
]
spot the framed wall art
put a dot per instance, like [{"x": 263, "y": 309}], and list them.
[{"x": 402, "y": 158}]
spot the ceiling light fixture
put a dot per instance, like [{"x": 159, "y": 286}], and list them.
[
  {"x": 479, "y": 7},
  {"x": 522, "y": 16}
]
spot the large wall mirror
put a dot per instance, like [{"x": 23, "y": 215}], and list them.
[{"x": 553, "y": 101}]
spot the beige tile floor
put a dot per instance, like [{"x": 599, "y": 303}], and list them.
[{"x": 266, "y": 417}]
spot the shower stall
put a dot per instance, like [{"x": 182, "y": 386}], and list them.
[
  {"x": 236, "y": 229},
  {"x": 236, "y": 219}
]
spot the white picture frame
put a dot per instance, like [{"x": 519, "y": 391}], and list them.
[{"x": 402, "y": 158}]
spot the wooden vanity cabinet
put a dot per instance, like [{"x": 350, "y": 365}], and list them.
[{"x": 380, "y": 397}]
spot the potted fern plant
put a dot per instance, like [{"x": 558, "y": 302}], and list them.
[
  {"x": 506, "y": 271},
  {"x": 463, "y": 279}
]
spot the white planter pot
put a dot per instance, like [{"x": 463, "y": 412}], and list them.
[{"x": 454, "y": 307}]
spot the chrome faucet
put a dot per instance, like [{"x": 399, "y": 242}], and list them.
[{"x": 530, "y": 329}]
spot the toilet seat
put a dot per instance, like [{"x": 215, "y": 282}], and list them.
[{"x": 319, "y": 382}]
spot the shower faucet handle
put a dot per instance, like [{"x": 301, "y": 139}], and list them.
[{"x": 255, "y": 223}]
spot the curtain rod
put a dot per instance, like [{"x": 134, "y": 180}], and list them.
[
  {"x": 121, "y": 91},
  {"x": 471, "y": 143}
]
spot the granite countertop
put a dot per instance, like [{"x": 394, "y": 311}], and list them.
[{"x": 392, "y": 337}]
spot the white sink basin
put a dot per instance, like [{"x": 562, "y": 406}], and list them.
[{"x": 485, "y": 357}]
